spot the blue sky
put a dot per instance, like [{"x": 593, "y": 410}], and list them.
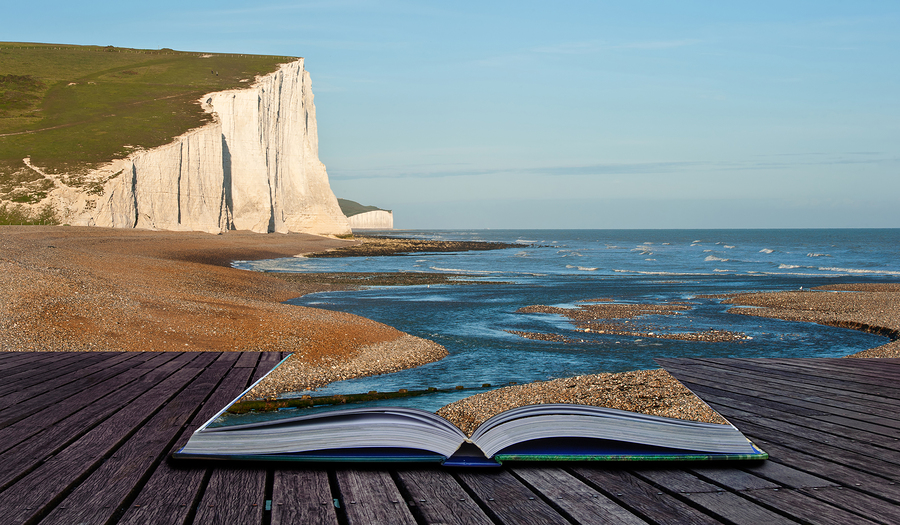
[{"x": 568, "y": 115}]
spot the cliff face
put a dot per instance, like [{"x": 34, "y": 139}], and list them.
[
  {"x": 256, "y": 167},
  {"x": 372, "y": 220}
]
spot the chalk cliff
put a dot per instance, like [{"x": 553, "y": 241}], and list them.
[
  {"x": 255, "y": 167},
  {"x": 372, "y": 220}
]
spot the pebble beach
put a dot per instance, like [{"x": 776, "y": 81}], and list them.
[{"x": 95, "y": 289}]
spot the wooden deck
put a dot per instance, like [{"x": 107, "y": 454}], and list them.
[{"x": 86, "y": 437}]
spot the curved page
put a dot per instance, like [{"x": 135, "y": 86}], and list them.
[
  {"x": 352, "y": 428},
  {"x": 578, "y": 421}
]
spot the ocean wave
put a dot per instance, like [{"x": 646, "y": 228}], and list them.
[
  {"x": 710, "y": 258},
  {"x": 522, "y": 254},
  {"x": 639, "y": 272},
  {"x": 767, "y": 250},
  {"x": 728, "y": 247},
  {"x": 460, "y": 270},
  {"x": 857, "y": 270},
  {"x": 586, "y": 269},
  {"x": 817, "y": 255},
  {"x": 722, "y": 271},
  {"x": 787, "y": 266},
  {"x": 523, "y": 241}
]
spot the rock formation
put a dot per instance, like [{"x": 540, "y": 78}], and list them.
[
  {"x": 255, "y": 167},
  {"x": 372, "y": 220}
]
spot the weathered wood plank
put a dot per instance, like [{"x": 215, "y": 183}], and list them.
[
  {"x": 22, "y": 368},
  {"x": 30, "y": 496},
  {"x": 733, "y": 479},
  {"x": 875, "y": 509},
  {"x": 232, "y": 504},
  {"x": 822, "y": 450},
  {"x": 19, "y": 460},
  {"x": 233, "y": 495},
  {"x": 507, "y": 499},
  {"x": 753, "y": 376},
  {"x": 247, "y": 360},
  {"x": 48, "y": 391},
  {"x": 787, "y": 476},
  {"x": 642, "y": 498},
  {"x": 107, "y": 489},
  {"x": 170, "y": 493},
  {"x": 578, "y": 501},
  {"x": 817, "y": 403},
  {"x": 805, "y": 508},
  {"x": 788, "y": 376},
  {"x": 370, "y": 497},
  {"x": 715, "y": 498},
  {"x": 440, "y": 499},
  {"x": 839, "y": 474},
  {"x": 39, "y": 386},
  {"x": 267, "y": 362},
  {"x": 735, "y": 509},
  {"x": 302, "y": 496}
]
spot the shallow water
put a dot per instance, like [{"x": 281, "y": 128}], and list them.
[{"x": 562, "y": 267}]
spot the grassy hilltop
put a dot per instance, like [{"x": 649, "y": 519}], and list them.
[{"x": 72, "y": 108}]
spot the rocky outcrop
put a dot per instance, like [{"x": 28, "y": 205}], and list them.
[
  {"x": 255, "y": 167},
  {"x": 372, "y": 220}
]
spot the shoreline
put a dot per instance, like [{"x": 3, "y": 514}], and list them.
[{"x": 96, "y": 289}]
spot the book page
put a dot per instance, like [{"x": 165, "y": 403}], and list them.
[{"x": 652, "y": 392}]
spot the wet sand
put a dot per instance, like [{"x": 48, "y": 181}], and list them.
[{"x": 873, "y": 308}]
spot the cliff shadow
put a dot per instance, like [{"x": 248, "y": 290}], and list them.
[{"x": 226, "y": 181}]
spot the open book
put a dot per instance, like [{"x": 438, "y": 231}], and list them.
[{"x": 548, "y": 432}]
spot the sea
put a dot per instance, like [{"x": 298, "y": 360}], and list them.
[{"x": 562, "y": 268}]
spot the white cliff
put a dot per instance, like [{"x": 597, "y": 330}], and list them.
[
  {"x": 372, "y": 220},
  {"x": 255, "y": 167}
]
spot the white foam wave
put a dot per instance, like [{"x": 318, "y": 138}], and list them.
[
  {"x": 711, "y": 258},
  {"x": 722, "y": 271},
  {"x": 728, "y": 247},
  {"x": 817, "y": 255},
  {"x": 460, "y": 270},
  {"x": 523, "y": 241},
  {"x": 858, "y": 271},
  {"x": 582, "y": 268},
  {"x": 767, "y": 250},
  {"x": 787, "y": 266},
  {"x": 638, "y": 272}
]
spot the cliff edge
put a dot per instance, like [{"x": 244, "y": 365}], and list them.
[{"x": 254, "y": 167}]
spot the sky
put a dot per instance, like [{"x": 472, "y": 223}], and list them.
[{"x": 595, "y": 114}]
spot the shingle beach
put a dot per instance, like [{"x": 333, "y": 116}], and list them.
[{"x": 95, "y": 289}]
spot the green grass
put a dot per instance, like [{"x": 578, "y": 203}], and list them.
[
  {"x": 18, "y": 214},
  {"x": 350, "y": 208},
  {"x": 72, "y": 108}
]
